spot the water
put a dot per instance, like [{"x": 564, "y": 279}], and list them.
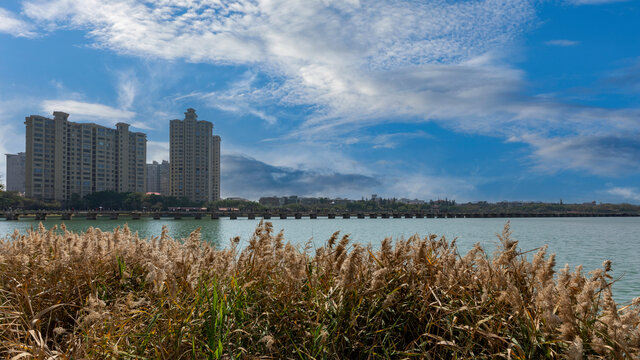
[{"x": 586, "y": 241}]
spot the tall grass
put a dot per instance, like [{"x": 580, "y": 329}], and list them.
[{"x": 113, "y": 295}]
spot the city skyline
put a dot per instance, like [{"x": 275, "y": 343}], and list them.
[
  {"x": 66, "y": 159},
  {"x": 474, "y": 100}
]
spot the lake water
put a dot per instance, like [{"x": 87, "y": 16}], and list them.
[{"x": 586, "y": 241}]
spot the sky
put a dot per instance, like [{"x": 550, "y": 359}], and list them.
[{"x": 468, "y": 100}]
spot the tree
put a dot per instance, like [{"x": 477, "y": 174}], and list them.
[{"x": 76, "y": 202}]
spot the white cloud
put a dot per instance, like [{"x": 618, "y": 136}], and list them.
[
  {"x": 237, "y": 98},
  {"x": 12, "y": 25},
  {"x": 628, "y": 193},
  {"x": 157, "y": 151},
  {"x": 84, "y": 110},
  {"x": 562, "y": 42},
  {"x": 355, "y": 64},
  {"x": 127, "y": 89},
  {"x": 337, "y": 55}
]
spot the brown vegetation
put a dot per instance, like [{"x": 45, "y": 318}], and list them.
[{"x": 114, "y": 295}]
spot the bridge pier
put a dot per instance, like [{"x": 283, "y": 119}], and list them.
[
  {"x": 156, "y": 216},
  {"x": 397, "y": 216},
  {"x": 419, "y": 216},
  {"x": 346, "y": 216},
  {"x": 360, "y": 216},
  {"x": 233, "y": 216},
  {"x": 198, "y": 216},
  {"x": 298, "y": 216},
  {"x": 313, "y": 216},
  {"x": 331, "y": 216},
  {"x": 385, "y": 216},
  {"x": 66, "y": 216},
  {"x": 215, "y": 216},
  {"x": 283, "y": 216},
  {"x": 41, "y": 216},
  {"x": 266, "y": 216},
  {"x": 251, "y": 216}
]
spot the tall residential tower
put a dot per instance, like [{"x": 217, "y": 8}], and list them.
[
  {"x": 65, "y": 158},
  {"x": 15, "y": 172},
  {"x": 158, "y": 177},
  {"x": 194, "y": 159}
]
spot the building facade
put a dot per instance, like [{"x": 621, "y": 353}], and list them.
[
  {"x": 158, "y": 177},
  {"x": 194, "y": 159},
  {"x": 65, "y": 158},
  {"x": 15, "y": 172}
]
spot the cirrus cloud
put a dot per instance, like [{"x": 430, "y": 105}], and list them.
[
  {"x": 12, "y": 25},
  {"x": 360, "y": 64}
]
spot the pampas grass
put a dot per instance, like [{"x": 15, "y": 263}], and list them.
[{"x": 105, "y": 295}]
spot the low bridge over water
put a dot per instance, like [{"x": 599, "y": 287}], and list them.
[{"x": 158, "y": 215}]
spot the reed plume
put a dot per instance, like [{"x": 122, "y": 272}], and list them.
[{"x": 103, "y": 295}]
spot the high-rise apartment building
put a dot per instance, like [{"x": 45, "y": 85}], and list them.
[
  {"x": 65, "y": 158},
  {"x": 158, "y": 177},
  {"x": 194, "y": 159},
  {"x": 215, "y": 187},
  {"x": 15, "y": 172}
]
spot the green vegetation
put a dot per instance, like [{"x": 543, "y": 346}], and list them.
[
  {"x": 111, "y": 200},
  {"x": 483, "y": 207},
  {"x": 128, "y": 201},
  {"x": 113, "y": 295},
  {"x": 13, "y": 200}
]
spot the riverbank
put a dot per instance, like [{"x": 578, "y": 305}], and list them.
[{"x": 102, "y": 294}]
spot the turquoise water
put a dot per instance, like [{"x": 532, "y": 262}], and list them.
[{"x": 586, "y": 241}]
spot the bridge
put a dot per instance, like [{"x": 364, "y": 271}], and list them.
[{"x": 14, "y": 215}]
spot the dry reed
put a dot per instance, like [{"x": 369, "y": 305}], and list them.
[{"x": 113, "y": 295}]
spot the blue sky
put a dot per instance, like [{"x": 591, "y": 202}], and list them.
[{"x": 471, "y": 100}]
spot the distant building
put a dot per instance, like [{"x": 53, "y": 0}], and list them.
[
  {"x": 194, "y": 159},
  {"x": 158, "y": 177},
  {"x": 65, "y": 158},
  {"x": 284, "y": 200},
  {"x": 411, "y": 202},
  {"x": 309, "y": 201},
  {"x": 15, "y": 171},
  {"x": 269, "y": 201},
  {"x": 165, "y": 181},
  {"x": 293, "y": 199}
]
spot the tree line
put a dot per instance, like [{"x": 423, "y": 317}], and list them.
[{"x": 111, "y": 200}]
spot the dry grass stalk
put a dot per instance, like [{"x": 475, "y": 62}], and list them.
[{"x": 113, "y": 295}]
